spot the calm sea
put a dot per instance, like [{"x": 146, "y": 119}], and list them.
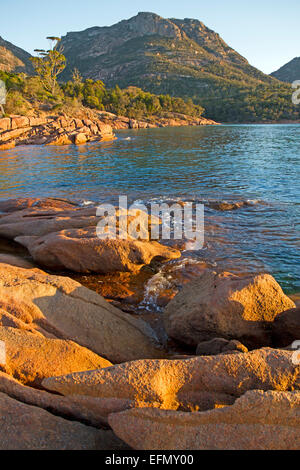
[{"x": 255, "y": 163}]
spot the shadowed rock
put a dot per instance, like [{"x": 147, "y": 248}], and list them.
[
  {"x": 88, "y": 410},
  {"x": 61, "y": 308},
  {"x": 24, "y": 427},
  {"x": 286, "y": 328},
  {"x": 226, "y": 306}
]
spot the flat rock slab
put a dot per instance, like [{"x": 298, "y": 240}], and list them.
[
  {"x": 61, "y": 308},
  {"x": 192, "y": 384},
  {"x": 88, "y": 410},
  {"x": 25, "y": 427},
  {"x": 257, "y": 421}
]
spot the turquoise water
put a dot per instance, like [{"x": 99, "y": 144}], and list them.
[{"x": 255, "y": 163}]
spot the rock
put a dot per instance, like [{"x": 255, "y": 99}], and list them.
[
  {"x": 5, "y": 124},
  {"x": 88, "y": 410},
  {"x": 15, "y": 261},
  {"x": 8, "y": 145},
  {"x": 25, "y": 427},
  {"x": 13, "y": 205},
  {"x": 30, "y": 357},
  {"x": 218, "y": 346},
  {"x": 133, "y": 124},
  {"x": 39, "y": 221},
  {"x": 62, "y": 308},
  {"x": 80, "y": 138},
  {"x": 257, "y": 421},
  {"x": 286, "y": 328},
  {"x": 63, "y": 139},
  {"x": 52, "y": 130},
  {"x": 14, "y": 134},
  {"x": 227, "y": 306},
  {"x": 56, "y": 251},
  {"x": 35, "y": 121},
  {"x": 200, "y": 383},
  {"x": 228, "y": 206},
  {"x": 20, "y": 121}
]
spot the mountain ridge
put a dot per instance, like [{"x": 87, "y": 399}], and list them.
[
  {"x": 289, "y": 72},
  {"x": 182, "y": 58},
  {"x": 13, "y": 58}
]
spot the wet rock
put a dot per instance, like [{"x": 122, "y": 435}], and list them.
[
  {"x": 256, "y": 421},
  {"x": 228, "y": 206},
  {"x": 226, "y": 306}
]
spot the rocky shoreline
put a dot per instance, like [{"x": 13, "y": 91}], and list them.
[
  {"x": 86, "y": 127},
  {"x": 80, "y": 373}
]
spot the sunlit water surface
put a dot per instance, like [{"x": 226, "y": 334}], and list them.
[{"x": 255, "y": 163}]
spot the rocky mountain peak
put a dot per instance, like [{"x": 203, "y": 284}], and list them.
[
  {"x": 13, "y": 58},
  {"x": 148, "y": 24}
]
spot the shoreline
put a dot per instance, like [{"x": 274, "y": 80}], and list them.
[
  {"x": 220, "y": 351},
  {"x": 81, "y": 128}
]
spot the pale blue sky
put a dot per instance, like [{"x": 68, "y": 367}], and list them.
[{"x": 266, "y": 32}]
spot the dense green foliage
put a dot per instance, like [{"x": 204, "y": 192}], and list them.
[
  {"x": 26, "y": 92},
  {"x": 192, "y": 62},
  {"x": 132, "y": 101}
]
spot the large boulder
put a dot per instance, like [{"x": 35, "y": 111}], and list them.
[
  {"x": 227, "y": 306},
  {"x": 286, "y": 328},
  {"x": 200, "y": 383},
  {"x": 80, "y": 250},
  {"x": 61, "y": 308},
  {"x": 30, "y": 357},
  {"x": 25, "y": 427},
  {"x": 89, "y": 410},
  {"x": 40, "y": 221},
  {"x": 257, "y": 421},
  {"x": 62, "y": 236}
]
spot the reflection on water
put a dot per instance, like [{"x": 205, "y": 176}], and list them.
[{"x": 259, "y": 164}]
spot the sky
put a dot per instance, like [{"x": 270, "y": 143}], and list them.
[{"x": 266, "y": 32}]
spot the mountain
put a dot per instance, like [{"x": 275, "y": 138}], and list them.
[
  {"x": 181, "y": 58},
  {"x": 289, "y": 72},
  {"x": 13, "y": 58}
]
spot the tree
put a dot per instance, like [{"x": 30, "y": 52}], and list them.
[
  {"x": 2, "y": 96},
  {"x": 49, "y": 64},
  {"x": 76, "y": 77}
]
